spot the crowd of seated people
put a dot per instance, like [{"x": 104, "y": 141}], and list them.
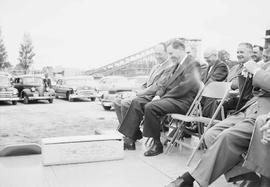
[{"x": 244, "y": 131}]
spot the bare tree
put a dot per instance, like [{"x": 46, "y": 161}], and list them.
[{"x": 26, "y": 53}]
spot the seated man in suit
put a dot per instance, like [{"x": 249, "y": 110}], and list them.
[
  {"x": 229, "y": 139},
  {"x": 160, "y": 51},
  {"x": 236, "y": 76},
  {"x": 258, "y": 155},
  {"x": 216, "y": 71},
  {"x": 174, "y": 94}
]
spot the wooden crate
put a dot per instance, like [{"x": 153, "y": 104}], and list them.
[{"x": 80, "y": 149}]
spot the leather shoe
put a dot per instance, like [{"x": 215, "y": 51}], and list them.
[
  {"x": 179, "y": 182},
  {"x": 156, "y": 149},
  {"x": 129, "y": 144}
]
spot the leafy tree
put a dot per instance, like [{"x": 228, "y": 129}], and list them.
[
  {"x": 26, "y": 53},
  {"x": 3, "y": 54}
]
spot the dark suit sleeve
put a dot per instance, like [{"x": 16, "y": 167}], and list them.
[
  {"x": 151, "y": 90},
  {"x": 162, "y": 83},
  {"x": 188, "y": 84},
  {"x": 220, "y": 74},
  {"x": 262, "y": 80},
  {"x": 158, "y": 86}
]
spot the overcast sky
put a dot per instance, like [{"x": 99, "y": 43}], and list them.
[{"x": 87, "y": 34}]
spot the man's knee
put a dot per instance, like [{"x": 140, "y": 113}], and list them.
[
  {"x": 227, "y": 136},
  {"x": 135, "y": 102},
  {"x": 148, "y": 107},
  {"x": 125, "y": 103},
  {"x": 117, "y": 102}
]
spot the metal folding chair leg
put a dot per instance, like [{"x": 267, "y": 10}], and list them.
[
  {"x": 176, "y": 135},
  {"x": 149, "y": 142}
]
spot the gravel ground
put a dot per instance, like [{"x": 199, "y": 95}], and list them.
[{"x": 29, "y": 123}]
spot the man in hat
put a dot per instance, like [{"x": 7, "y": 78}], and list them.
[{"x": 267, "y": 39}]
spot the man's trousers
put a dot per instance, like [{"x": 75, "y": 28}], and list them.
[
  {"x": 151, "y": 111},
  {"x": 226, "y": 142},
  {"x": 121, "y": 107},
  {"x": 258, "y": 156}
]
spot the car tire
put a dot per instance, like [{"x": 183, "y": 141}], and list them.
[
  {"x": 93, "y": 99},
  {"x": 107, "y": 108},
  {"x": 14, "y": 102},
  {"x": 25, "y": 100},
  {"x": 50, "y": 100},
  {"x": 69, "y": 98}
]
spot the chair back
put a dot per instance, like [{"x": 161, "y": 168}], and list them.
[
  {"x": 217, "y": 90},
  {"x": 196, "y": 100}
]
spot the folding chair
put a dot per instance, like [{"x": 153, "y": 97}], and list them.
[
  {"x": 216, "y": 90},
  {"x": 149, "y": 141},
  {"x": 175, "y": 124}
]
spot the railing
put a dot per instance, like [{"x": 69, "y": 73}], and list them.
[{"x": 144, "y": 60}]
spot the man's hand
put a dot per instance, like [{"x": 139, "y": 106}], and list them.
[
  {"x": 252, "y": 67},
  {"x": 265, "y": 129},
  {"x": 156, "y": 98}
]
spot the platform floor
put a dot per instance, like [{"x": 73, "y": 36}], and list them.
[{"x": 134, "y": 170}]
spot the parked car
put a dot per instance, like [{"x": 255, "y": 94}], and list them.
[
  {"x": 76, "y": 88},
  {"x": 124, "y": 88},
  {"x": 109, "y": 82},
  {"x": 7, "y": 91},
  {"x": 32, "y": 88}
]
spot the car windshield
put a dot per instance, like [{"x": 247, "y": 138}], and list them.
[
  {"x": 32, "y": 81},
  {"x": 4, "y": 81},
  {"x": 79, "y": 82}
]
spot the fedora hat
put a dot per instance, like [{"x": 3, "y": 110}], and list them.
[{"x": 267, "y": 34}]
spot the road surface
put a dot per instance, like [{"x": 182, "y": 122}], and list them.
[{"x": 30, "y": 123}]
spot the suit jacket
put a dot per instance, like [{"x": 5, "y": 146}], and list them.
[
  {"x": 262, "y": 97},
  {"x": 152, "y": 89},
  {"x": 175, "y": 84},
  {"x": 157, "y": 71},
  {"x": 218, "y": 72},
  {"x": 180, "y": 83},
  {"x": 261, "y": 92}
]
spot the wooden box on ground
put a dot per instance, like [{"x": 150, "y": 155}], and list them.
[{"x": 79, "y": 149}]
